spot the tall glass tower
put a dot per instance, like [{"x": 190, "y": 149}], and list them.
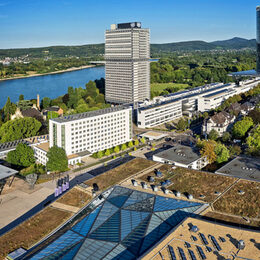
[
  {"x": 258, "y": 38},
  {"x": 127, "y": 55}
]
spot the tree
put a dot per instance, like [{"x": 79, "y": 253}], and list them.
[
  {"x": 235, "y": 150},
  {"x": 123, "y": 147},
  {"x": 23, "y": 156},
  {"x": 9, "y": 109},
  {"x": 208, "y": 150},
  {"x": 52, "y": 114},
  {"x": 19, "y": 129},
  {"x": 91, "y": 89},
  {"x": 143, "y": 140},
  {"x": 130, "y": 144},
  {"x": 255, "y": 115},
  {"x": 136, "y": 142},
  {"x": 21, "y": 97},
  {"x": 57, "y": 159},
  {"x": 222, "y": 153},
  {"x": 107, "y": 152},
  {"x": 226, "y": 137},
  {"x": 182, "y": 124},
  {"x": 253, "y": 142},
  {"x": 100, "y": 154},
  {"x": 241, "y": 127},
  {"x": 116, "y": 149},
  {"x": 100, "y": 98},
  {"x": 46, "y": 102},
  {"x": 213, "y": 135},
  {"x": 205, "y": 115}
]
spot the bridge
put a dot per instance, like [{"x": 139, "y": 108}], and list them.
[{"x": 98, "y": 62}]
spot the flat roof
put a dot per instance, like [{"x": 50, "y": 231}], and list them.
[
  {"x": 243, "y": 167},
  {"x": 99, "y": 112},
  {"x": 153, "y": 134},
  {"x": 6, "y": 172},
  {"x": 12, "y": 145},
  {"x": 246, "y": 73},
  {"x": 121, "y": 223},
  {"x": 181, "y": 236},
  {"x": 161, "y": 103},
  {"x": 218, "y": 93},
  {"x": 207, "y": 90},
  {"x": 44, "y": 146},
  {"x": 181, "y": 154}
]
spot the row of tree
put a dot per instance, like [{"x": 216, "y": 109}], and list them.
[
  {"x": 41, "y": 66},
  {"x": 117, "y": 149}
]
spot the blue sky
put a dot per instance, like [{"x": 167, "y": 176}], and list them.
[{"x": 35, "y": 23}]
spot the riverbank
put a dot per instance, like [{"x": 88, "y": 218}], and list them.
[{"x": 49, "y": 73}]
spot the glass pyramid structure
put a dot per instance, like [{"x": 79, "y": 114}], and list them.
[{"x": 124, "y": 225}]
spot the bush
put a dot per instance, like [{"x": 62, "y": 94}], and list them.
[
  {"x": 116, "y": 149},
  {"x": 100, "y": 154},
  {"x": 123, "y": 147}
]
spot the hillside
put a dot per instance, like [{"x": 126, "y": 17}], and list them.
[
  {"x": 93, "y": 50},
  {"x": 236, "y": 43}
]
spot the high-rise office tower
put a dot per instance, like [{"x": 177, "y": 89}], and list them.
[
  {"x": 258, "y": 38},
  {"x": 127, "y": 54}
]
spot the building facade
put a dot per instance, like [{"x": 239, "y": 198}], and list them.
[
  {"x": 258, "y": 39},
  {"x": 159, "y": 113},
  {"x": 92, "y": 131},
  {"x": 220, "y": 122},
  {"x": 200, "y": 99},
  {"x": 127, "y": 54}
]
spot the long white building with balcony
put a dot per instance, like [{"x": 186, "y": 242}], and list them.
[
  {"x": 200, "y": 99},
  {"x": 159, "y": 113}
]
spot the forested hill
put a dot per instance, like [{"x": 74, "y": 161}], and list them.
[{"x": 92, "y": 50}]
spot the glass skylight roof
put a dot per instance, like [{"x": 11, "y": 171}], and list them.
[{"x": 122, "y": 226}]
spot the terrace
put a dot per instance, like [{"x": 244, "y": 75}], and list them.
[{"x": 211, "y": 241}]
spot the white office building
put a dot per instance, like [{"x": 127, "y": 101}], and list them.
[
  {"x": 204, "y": 98},
  {"x": 159, "y": 113},
  {"x": 214, "y": 99},
  {"x": 127, "y": 54},
  {"x": 92, "y": 131}
]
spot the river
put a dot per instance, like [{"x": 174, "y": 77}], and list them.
[{"x": 52, "y": 85}]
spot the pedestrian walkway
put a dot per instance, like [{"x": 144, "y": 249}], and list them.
[{"x": 21, "y": 202}]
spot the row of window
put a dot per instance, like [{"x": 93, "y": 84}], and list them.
[
  {"x": 99, "y": 124},
  {"x": 96, "y": 147},
  {"x": 105, "y": 135}
]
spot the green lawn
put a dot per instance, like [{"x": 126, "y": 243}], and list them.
[{"x": 174, "y": 86}]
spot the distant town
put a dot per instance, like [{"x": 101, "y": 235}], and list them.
[{"x": 158, "y": 160}]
